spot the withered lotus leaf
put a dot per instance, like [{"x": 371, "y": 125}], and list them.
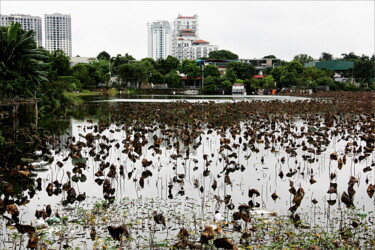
[
  {"x": 32, "y": 243},
  {"x": 25, "y": 229},
  {"x": 274, "y": 196},
  {"x": 146, "y": 163},
  {"x": 146, "y": 173},
  {"x": 118, "y": 232},
  {"x": 12, "y": 209}
]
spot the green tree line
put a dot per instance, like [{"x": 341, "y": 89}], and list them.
[{"x": 26, "y": 71}]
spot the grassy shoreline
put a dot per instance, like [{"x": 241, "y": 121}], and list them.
[{"x": 91, "y": 93}]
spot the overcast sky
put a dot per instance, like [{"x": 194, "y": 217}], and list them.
[{"x": 251, "y": 29}]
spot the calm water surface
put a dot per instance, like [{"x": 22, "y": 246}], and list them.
[
  {"x": 260, "y": 170},
  {"x": 202, "y": 163}
]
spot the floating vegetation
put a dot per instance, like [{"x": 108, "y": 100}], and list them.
[
  {"x": 132, "y": 224},
  {"x": 278, "y": 174}
]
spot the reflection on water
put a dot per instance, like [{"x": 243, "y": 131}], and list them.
[
  {"x": 249, "y": 166},
  {"x": 191, "y": 98},
  {"x": 260, "y": 161}
]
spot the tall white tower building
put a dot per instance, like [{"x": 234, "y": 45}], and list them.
[
  {"x": 27, "y": 23},
  {"x": 58, "y": 33},
  {"x": 159, "y": 38},
  {"x": 185, "y": 31},
  {"x": 186, "y": 43}
]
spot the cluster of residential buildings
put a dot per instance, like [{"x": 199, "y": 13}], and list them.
[
  {"x": 57, "y": 30},
  {"x": 179, "y": 39}
]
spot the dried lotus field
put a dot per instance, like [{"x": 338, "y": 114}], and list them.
[{"x": 292, "y": 173}]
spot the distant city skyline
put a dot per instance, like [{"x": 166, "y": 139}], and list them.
[
  {"x": 27, "y": 23},
  {"x": 250, "y": 29},
  {"x": 58, "y": 33}
]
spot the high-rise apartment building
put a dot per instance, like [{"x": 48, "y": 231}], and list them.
[
  {"x": 185, "y": 31},
  {"x": 186, "y": 43},
  {"x": 27, "y": 23},
  {"x": 159, "y": 38},
  {"x": 58, "y": 33}
]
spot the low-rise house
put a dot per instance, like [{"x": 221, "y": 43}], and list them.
[
  {"x": 339, "y": 67},
  {"x": 221, "y": 64},
  {"x": 262, "y": 63},
  {"x": 238, "y": 89},
  {"x": 77, "y": 59}
]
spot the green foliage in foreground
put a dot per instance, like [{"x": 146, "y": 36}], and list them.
[
  {"x": 346, "y": 229},
  {"x": 22, "y": 66}
]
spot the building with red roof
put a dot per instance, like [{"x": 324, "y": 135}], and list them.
[
  {"x": 200, "y": 42},
  {"x": 186, "y": 43},
  {"x": 182, "y": 42}
]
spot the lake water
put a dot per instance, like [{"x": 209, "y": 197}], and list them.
[
  {"x": 187, "y": 164},
  {"x": 193, "y": 98}
]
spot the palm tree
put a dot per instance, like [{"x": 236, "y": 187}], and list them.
[{"x": 21, "y": 63}]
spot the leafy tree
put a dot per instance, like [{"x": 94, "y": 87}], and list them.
[
  {"x": 295, "y": 66},
  {"x": 60, "y": 64},
  {"x": 252, "y": 85},
  {"x": 156, "y": 78},
  {"x": 102, "y": 69},
  {"x": 210, "y": 86},
  {"x": 22, "y": 66},
  {"x": 278, "y": 72},
  {"x": 324, "y": 81},
  {"x": 351, "y": 56},
  {"x": 226, "y": 85},
  {"x": 313, "y": 73},
  {"x": 52, "y": 91},
  {"x": 137, "y": 72},
  {"x": 171, "y": 63},
  {"x": 287, "y": 80},
  {"x": 326, "y": 57},
  {"x": 164, "y": 66},
  {"x": 303, "y": 58},
  {"x": 231, "y": 75},
  {"x": 267, "y": 71},
  {"x": 151, "y": 61},
  {"x": 268, "y": 82},
  {"x": 173, "y": 79},
  {"x": 15, "y": 87},
  {"x": 211, "y": 70},
  {"x": 242, "y": 70},
  {"x": 119, "y": 60},
  {"x": 160, "y": 66},
  {"x": 364, "y": 58},
  {"x": 87, "y": 74},
  {"x": 269, "y": 56},
  {"x": 364, "y": 72},
  {"x": 190, "y": 69},
  {"x": 222, "y": 54},
  {"x": 63, "y": 83},
  {"x": 103, "y": 56}
]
